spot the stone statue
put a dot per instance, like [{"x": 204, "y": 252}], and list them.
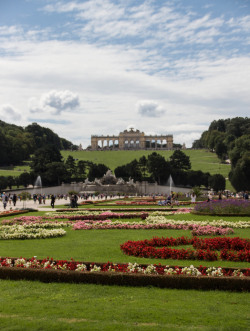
[
  {"x": 97, "y": 181},
  {"x": 109, "y": 178},
  {"x": 131, "y": 182},
  {"x": 87, "y": 181},
  {"x": 120, "y": 181}
]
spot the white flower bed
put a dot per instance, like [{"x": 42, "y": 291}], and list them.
[
  {"x": 163, "y": 220},
  {"x": 28, "y": 232}
]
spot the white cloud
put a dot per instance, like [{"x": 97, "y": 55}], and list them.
[
  {"x": 149, "y": 108},
  {"x": 9, "y": 113},
  {"x": 109, "y": 54},
  {"x": 54, "y": 102}
]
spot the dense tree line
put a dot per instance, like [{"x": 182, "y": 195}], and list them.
[
  {"x": 18, "y": 143},
  {"x": 155, "y": 168},
  {"x": 230, "y": 139},
  {"x": 47, "y": 162}
]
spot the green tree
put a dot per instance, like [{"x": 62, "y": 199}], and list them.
[
  {"x": 56, "y": 173},
  {"x": 179, "y": 160},
  {"x": 217, "y": 182},
  {"x": 159, "y": 168},
  {"x": 3, "y": 183},
  {"x": 241, "y": 146},
  {"x": 239, "y": 176},
  {"x": 81, "y": 169},
  {"x": 25, "y": 179},
  {"x": 197, "y": 191},
  {"x": 71, "y": 165},
  {"x": 43, "y": 157},
  {"x": 97, "y": 171},
  {"x": 122, "y": 172},
  {"x": 143, "y": 165},
  {"x": 221, "y": 150},
  {"x": 10, "y": 181},
  {"x": 134, "y": 170}
]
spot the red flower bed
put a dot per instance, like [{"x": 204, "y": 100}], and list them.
[
  {"x": 71, "y": 265},
  {"x": 12, "y": 212},
  {"x": 232, "y": 249}
]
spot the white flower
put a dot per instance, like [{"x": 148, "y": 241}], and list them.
[
  {"x": 81, "y": 267},
  {"x": 95, "y": 268}
]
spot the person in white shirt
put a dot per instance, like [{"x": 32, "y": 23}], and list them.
[{"x": 193, "y": 198}]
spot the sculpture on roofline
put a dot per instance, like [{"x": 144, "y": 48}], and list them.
[
  {"x": 109, "y": 178},
  {"x": 97, "y": 181},
  {"x": 120, "y": 181}
]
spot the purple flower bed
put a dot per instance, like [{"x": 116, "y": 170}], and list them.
[{"x": 229, "y": 206}]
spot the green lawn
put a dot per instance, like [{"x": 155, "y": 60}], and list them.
[
  {"x": 27, "y": 305},
  {"x": 103, "y": 246},
  {"x": 200, "y": 159},
  {"x": 36, "y": 306}
]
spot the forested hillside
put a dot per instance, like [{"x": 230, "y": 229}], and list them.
[
  {"x": 230, "y": 139},
  {"x": 18, "y": 143}
]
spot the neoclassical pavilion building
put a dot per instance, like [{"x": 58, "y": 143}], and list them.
[{"x": 132, "y": 139}]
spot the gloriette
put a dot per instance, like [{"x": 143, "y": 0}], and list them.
[{"x": 132, "y": 139}]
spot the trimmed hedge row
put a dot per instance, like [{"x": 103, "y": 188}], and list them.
[
  {"x": 164, "y": 208},
  {"x": 178, "y": 282}
]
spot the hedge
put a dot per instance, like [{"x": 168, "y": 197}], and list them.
[{"x": 125, "y": 279}]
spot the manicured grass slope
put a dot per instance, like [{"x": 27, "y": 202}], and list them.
[
  {"x": 37, "y": 306},
  {"x": 200, "y": 159}
]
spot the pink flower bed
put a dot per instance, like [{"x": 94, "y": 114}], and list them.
[{"x": 108, "y": 224}]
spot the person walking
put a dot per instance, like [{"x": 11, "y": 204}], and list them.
[
  {"x": 52, "y": 203},
  {"x": 4, "y": 200},
  {"x": 14, "y": 198}
]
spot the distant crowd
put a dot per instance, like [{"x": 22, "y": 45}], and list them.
[{"x": 171, "y": 199}]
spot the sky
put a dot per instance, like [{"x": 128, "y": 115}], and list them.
[{"x": 98, "y": 67}]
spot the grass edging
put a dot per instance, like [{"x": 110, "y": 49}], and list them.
[{"x": 108, "y": 278}]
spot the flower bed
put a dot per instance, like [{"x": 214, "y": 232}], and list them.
[
  {"x": 103, "y": 216},
  {"x": 49, "y": 270},
  {"x": 220, "y": 223},
  {"x": 233, "y": 249},
  {"x": 224, "y": 207},
  {"x": 28, "y": 232},
  {"x": 108, "y": 225},
  {"x": 12, "y": 212},
  {"x": 135, "y": 209},
  {"x": 50, "y": 263},
  {"x": 136, "y": 203}
]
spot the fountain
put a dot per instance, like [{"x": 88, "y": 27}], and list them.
[
  {"x": 38, "y": 183},
  {"x": 170, "y": 183}
]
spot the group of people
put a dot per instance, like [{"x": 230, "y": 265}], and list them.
[
  {"x": 40, "y": 197},
  {"x": 9, "y": 198},
  {"x": 170, "y": 200}
]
